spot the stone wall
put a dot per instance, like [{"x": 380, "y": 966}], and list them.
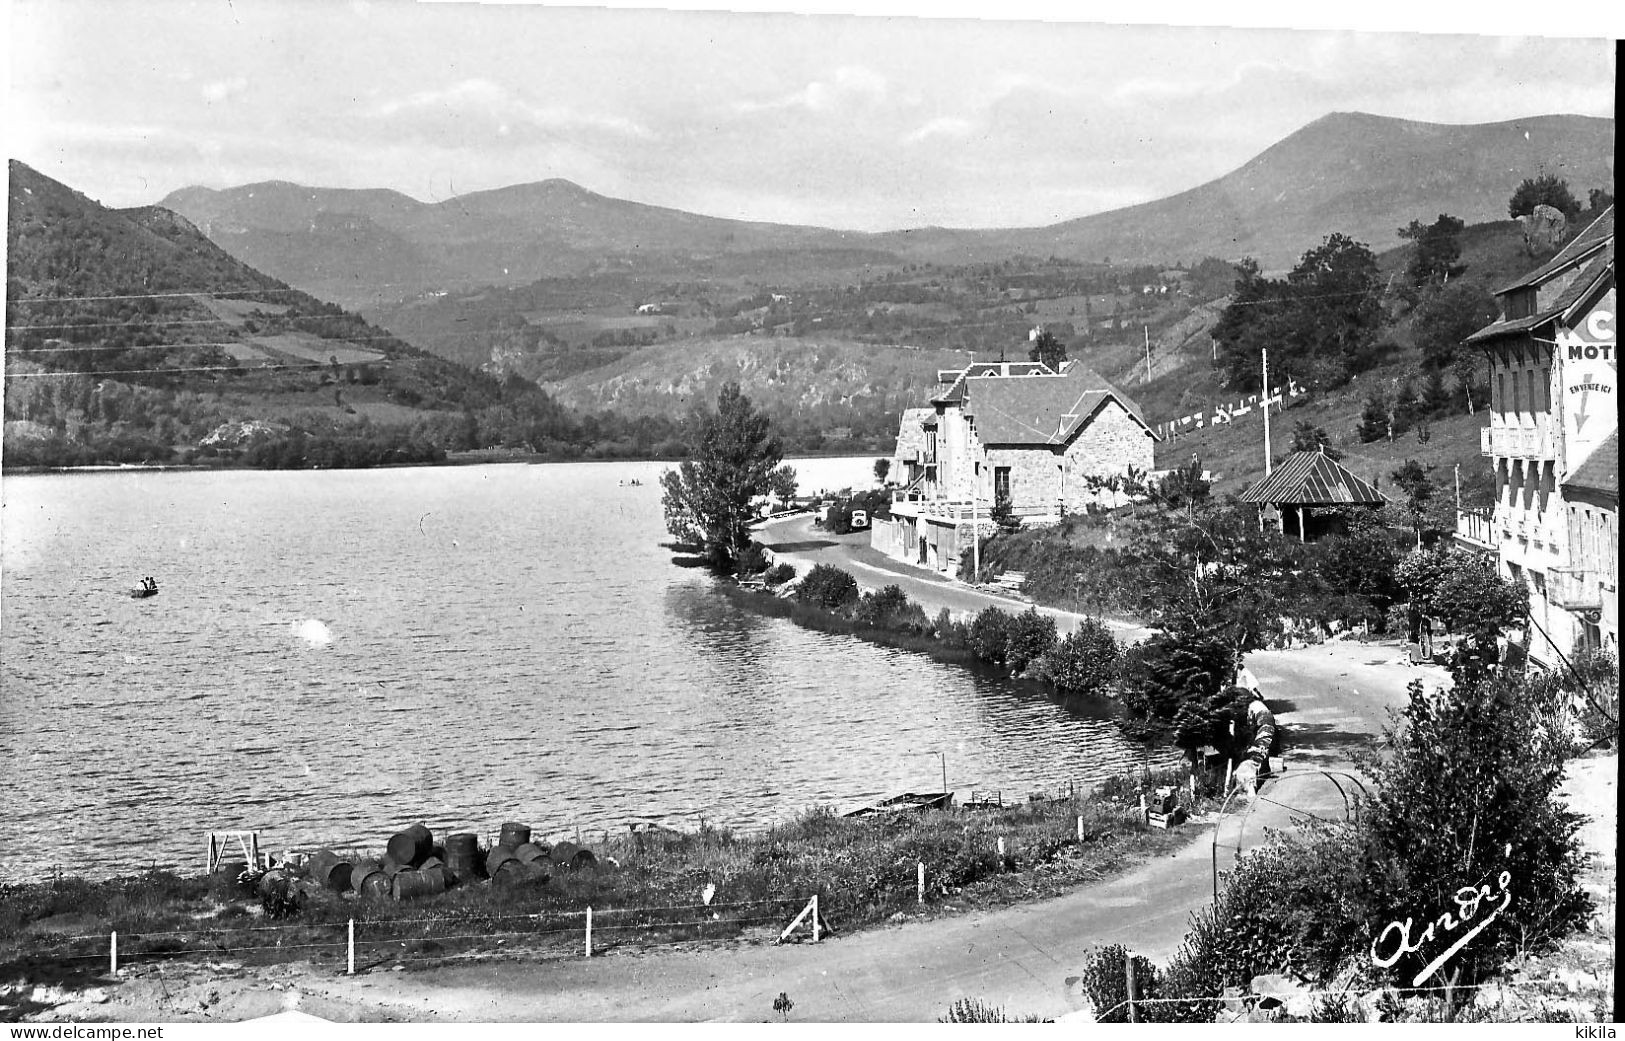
[{"x": 1042, "y": 475}]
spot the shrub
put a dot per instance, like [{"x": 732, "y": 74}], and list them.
[
  {"x": 1469, "y": 798},
  {"x": 779, "y": 574},
  {"x": 1171, "y": 672},
  {"x": 1105, "y": 980},
  {"x": 1284, "y": 909},
  {"x": 889, "y": 608},
  {"x": 753, "y": 560},
  {"x": 1085, "y": 662},
  {"x": 990, "y": 635},
  {"x": 827, "y": 587},
  {"x": 969, "y": 1010},
  {"x": 1031, "y": 637},
  {"x": 952, "y": 634}
]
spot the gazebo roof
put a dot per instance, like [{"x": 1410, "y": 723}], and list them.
[{"x": 1312, "y": 479}]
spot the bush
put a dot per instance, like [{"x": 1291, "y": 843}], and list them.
[
  {"x": 828, "y": 587},
  {"x": 779, "y": 574},
  {"x": 889, "y": 608},
  {"x": 1171, "y": 675},
  {"x": 1105, "y": 980},
  {"x": 953, "y": 635},
  {"x": 990, "y": 635},
  {"x": 1469, "y": 798},
  {"x": 1085, "y": 662},
  {"x": 1031, "y": 637}
]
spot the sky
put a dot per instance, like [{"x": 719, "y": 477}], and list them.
[{"x": 866, "y": 123}]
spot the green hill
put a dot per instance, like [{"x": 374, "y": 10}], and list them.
[{"x": 132, "y": 338}]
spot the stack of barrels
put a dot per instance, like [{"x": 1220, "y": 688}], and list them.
[
  {"x": 515, "y": 860},
  {"x": 414, "y": 866}
]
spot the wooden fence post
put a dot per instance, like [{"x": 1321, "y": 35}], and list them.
[
  {"x": 589, "y": 932},
  {"x": 1001, "y": 852},
  {"x": 350, "y": 943},
  {"x": 919, "y": 886},
  {"x": 112, "y": 953},
  {"x": 815, "y": 917},
  {"x": 1128, "y": 961},
  {"x": 1080, "y": 827}
]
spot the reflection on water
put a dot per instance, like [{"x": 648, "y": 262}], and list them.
[{"x": 334, "y": 654}]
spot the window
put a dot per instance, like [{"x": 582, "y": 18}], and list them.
[
  {"x": 931, "y": 444},
  {"x": 1001, "y": 483},
  {"x": 1501, "y": 392},
  {"x": 1545, "y": 390}
]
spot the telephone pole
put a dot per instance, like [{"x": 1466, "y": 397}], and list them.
[
  {"x": 1264, "y": 359},
  {"x": 1147, "y": 329}
]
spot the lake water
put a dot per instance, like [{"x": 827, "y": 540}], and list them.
[{"x": 335, "y": 654}]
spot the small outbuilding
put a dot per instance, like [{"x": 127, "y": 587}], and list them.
[{"x": 1313, "y": 489}]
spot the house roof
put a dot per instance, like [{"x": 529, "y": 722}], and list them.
[
  {"x": 1599, "y": 471},
  {"x": 1041, "y": 409},
  {"x": 1596, "y": 232},
  {"x": 1313, "y": 479},
  {"x": 985, "y": 370},
  {"x": 1599, "y": 269}
]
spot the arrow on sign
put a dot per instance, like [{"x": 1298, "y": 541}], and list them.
[{"x": 1585, "y": 392}]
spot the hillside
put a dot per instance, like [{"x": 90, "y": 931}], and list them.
[
  {"x": 363, "y": 246},
  {"x": 1366, "y": 175},
  {"x": 1361, "y": 174},
  {"x": 130, "y": 337},
  {"x": 820, "y": 392}
]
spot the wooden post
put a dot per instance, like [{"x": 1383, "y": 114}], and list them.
[
  {"x": 1128, "y": 962},
  {"x": 816, "y": 929},
  {"x": 350, "y": 942},
  {"x": 1080, "y": 827},
  {"x": 112, "y": 953},
  {"x": 1145, "y": 811},
  {"x": 919, "y": 886},
  {"x": 589, "y": 932},
  {"x": 1001, "y": 852},
  {"x": 254, "y": 849}
]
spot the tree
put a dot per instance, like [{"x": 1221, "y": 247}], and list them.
[
  {"x": 709, "y": 499},
  {"x": 1429, "y": 514},
  {"x": 1315, "y": 323},
  {"x": 1357, "y": 566},
  {"x": 1048, "y": 349},
  {"x": 781, "y": 483},
  {"x": 1438, "y": 247},
  {"x": 1307, "y": 437},
  {"x": 1445, "y": 318},
  {"x": 882, "y": 469},
  {"x": 1545, "y": 190},
  {"x": 1599, "y": 198},
  {"x": 1374, "y": 417},
  {"x": 1464, "y": 592},
  {"x": 1085, "y": 661}
]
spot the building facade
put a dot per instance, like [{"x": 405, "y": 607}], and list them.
[
  {"x": 1043, "y": 442},
  {"x": 1553, "y": 381}
]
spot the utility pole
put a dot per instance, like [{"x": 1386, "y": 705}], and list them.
[
  {"x": 1264, "y": 359},
  {"x": 1147, "y": 329},
  {"x": 1458, "y": 487},
  {"x": 975, "y": 525}
]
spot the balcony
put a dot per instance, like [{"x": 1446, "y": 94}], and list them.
[
  {"x": 1476, "y": 528},
  {"x": 1573, "y": 589},
  {"x": 1520, "y": 442}
]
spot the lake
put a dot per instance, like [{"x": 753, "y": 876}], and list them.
[{"x": 334, "y": 654}]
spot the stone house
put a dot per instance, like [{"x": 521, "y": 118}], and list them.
[
  {"x": 1553, "y": 382},
  {"x": 1045, "y": 442}
]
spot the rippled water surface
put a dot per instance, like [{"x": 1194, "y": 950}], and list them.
[{"x": 334, "y": 654}]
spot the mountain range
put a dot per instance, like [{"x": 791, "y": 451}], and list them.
[{"x": 1361, "y": 174}]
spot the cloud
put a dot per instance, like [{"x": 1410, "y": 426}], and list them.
[
  {"x": 942, "y": 126},
  {"x": 850, "y": 83},
  {"x": 479, "y": 109},
  {"x": 219, "y": 90}
]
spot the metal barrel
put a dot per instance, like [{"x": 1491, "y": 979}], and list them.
[
  {"x": 327, "y": 870},
  {"x": 360, "y": 870},
  {"x": 411, "y": 847},
  {"x": 412, "y": 884},
  {"x": 497, "y": 858},
  {"x": 230, "y": 869},
  {"x": 584, "y": 860},
  {"x": 272, "y": 881},
  {"x": 514, "y": 835},
  {"x": 462, "y": 842},
  {"x": 532, "y": 851},
  {"x": 563, "y": 852},
  {"x": 518, "y": 873},
  {"x": 376, "y": 886},
  {"x": 390, "y": 866}
]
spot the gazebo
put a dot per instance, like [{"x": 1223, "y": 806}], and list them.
[{"x": 1306, "y": 481}]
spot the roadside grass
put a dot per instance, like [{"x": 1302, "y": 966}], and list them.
[{"x": 654, "y": 887}]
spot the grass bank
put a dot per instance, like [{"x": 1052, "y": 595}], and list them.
[{"x": 649, "y": 888}]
